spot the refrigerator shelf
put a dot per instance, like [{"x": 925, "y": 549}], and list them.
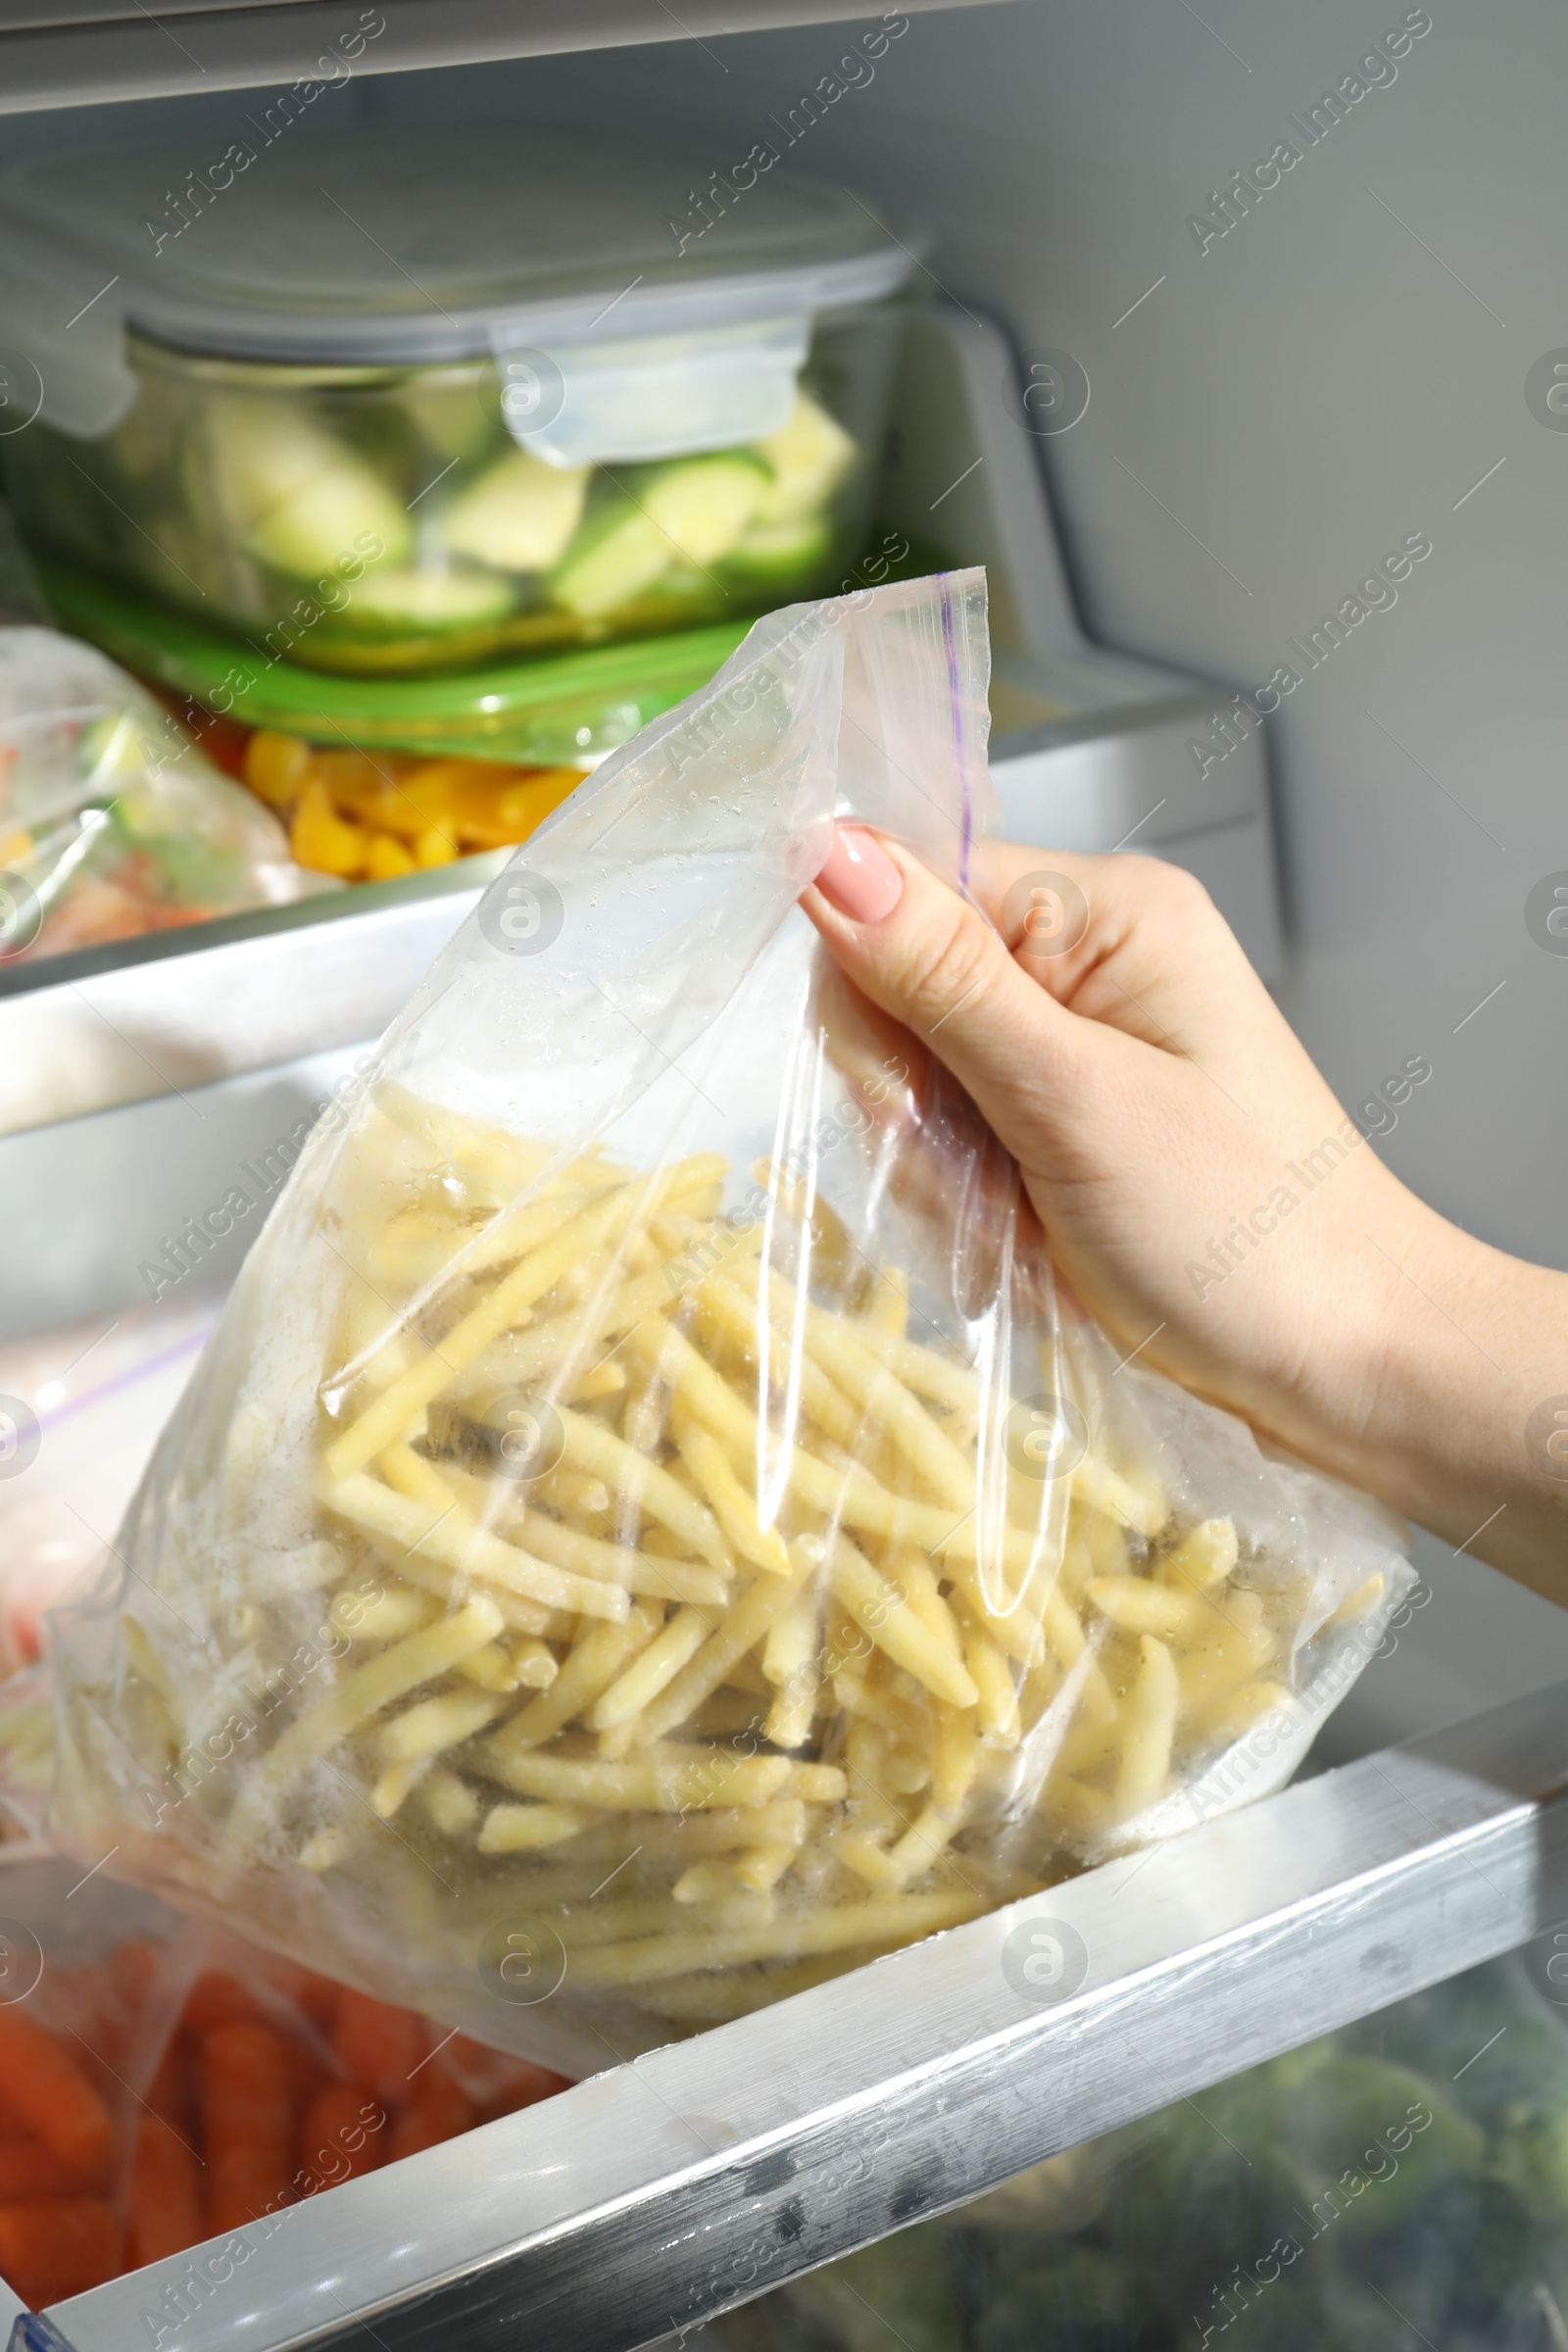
[
  {"x": 87, "y": 52},
  {"x": 661, "y": 2193}
]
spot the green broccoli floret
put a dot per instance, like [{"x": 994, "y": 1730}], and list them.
[
  {"x": 1373, "y": 2140},
  {"x": 902, "y": 2291},
  {"x": 1070, "y": 2298},
  {"x": 1530, "y": 2155}
]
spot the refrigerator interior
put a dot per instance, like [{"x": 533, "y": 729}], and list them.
[
  {"x": 1275, "y": 402},
  {"x": 1269, "y": 411}
]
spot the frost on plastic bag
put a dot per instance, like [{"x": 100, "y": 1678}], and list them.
[
  {"x": 646, "y": 1536},
  {"x": 112, "y": 822}
]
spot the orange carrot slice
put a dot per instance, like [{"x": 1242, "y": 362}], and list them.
[
  {"x": 58, "y": 2246},
  {"x": 437, "y": 2108},
  {"x": 165, "y": 2195},
  {"x": 43, "y": 2086},
  {"x": 28, "y": 2170},
  {"x": 378, "y": 2045},
  {"x": 245, "y": 2120},
  {"x": 217, "y": 1999},
  {"x": 344, "y": 2134}
]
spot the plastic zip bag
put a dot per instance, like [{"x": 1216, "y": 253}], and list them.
[
  {"x": 1402, "y": 2182},
  {"x": 162, "y": 2083},
  {"x": 647, "y": 1535},
  {"x": 91, "y": 1405},
  {"x": 112, "y": 822}
]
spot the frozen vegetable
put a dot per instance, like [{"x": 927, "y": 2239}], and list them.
[
  {"x": 1332, "y": 2200},
  {"x": 772, "y": 554},
  {"x": 809, "y": 459},
  {"x": 175, "y": 2089},
  {"x": 703, "y": 505},
  {"x": 619, "y": 552},
  {"x": 662, "y": 519},
  {"x": 46, "y": 2091},
  {"x": 166, "y": 2193},
  {"x": 518, "y": 514},
  {"x": 366, "y": 816},
  {"x": 405, "y": 602},
  {"x": 245, "y": 2113},
  {"x": 301, "y": 499},
  {"x": 53, "y": 2247},
  {"x": 111, "y": 821},
  {"x": 449, "y": 410}
]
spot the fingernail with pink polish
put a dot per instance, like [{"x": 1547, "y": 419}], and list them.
[{"x": 859, "y": 878}]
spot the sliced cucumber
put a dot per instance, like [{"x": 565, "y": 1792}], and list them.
[
  {"x": 703, "y": 505},
  {"x": 779, "y": 555},
  {"x": 519, "y": 515},
  {"x": 301, "y": 501},
  {"x": 809, "y": 457},
  {"x": 411, "y": 603},
  {"x": 618, "y": 553}
]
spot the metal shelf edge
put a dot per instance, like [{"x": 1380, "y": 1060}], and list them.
[{"x": 120, "y": 55}]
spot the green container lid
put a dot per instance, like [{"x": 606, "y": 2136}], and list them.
[{"x": 565, "y": 709}]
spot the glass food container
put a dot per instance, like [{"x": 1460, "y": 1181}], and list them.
[{"x": 390, "y": 406}]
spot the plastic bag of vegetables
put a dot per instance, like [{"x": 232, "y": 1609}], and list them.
[
  {"x": 648, "y": 1535},
  {"x": 1403, "y": 2183},
  {"x": 112, "y": 822},
  {"x": 162, "y": 2083}
]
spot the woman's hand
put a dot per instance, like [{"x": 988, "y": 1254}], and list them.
[{"x": 1209, "y": 1200}]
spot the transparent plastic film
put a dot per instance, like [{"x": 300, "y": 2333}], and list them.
[
  {"x": 1399, "y": 2181},
  {"x": 164, "y": 2083},
  {"x": 648, "y": 1535},
  {"x": 111, "y": 821}
]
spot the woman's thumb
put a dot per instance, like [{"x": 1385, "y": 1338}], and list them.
[{"x": 931, "y": 960}]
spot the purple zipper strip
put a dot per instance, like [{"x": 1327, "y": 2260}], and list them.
[
  {"x": 126, "y": 1379},
  {"x": 959, "y": 737}
]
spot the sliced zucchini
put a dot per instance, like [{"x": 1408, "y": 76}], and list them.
[
  {"x": 449, "y": 412},
  {"x": 519, "y": 515},
  {"x": 261, "y": 446},
  {"x": 422, "y": 604},
  {"x": 703, "y": 505},
  {"x": 779, "y": 555},
  {"x": 336, "y": 520},
  {"x": 618, "y": 553},
  {"x": 809, "y": 457},
  {"x": 690, "y": 512},
  {"x": 301, "y": 501}
]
